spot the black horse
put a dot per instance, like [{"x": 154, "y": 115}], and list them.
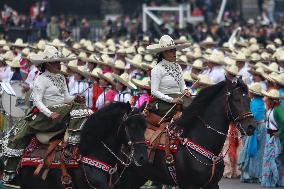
[
  {"x": 204, "y": 127},
  {"x": 101, "y": 139}
]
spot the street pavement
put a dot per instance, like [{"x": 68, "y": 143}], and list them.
[{"x": 236, "y": 184}]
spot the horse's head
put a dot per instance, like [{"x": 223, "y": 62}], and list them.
[
  {"x": 238, "y": 106},
  {"x": 132, "y": 132}
]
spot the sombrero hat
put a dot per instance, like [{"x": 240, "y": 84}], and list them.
[
  {"x": 279, "y": 79},
  {"x": 269, "y": 77},
  {"x": 253, "y": 40},
  {"x": 166, "y": 43},
  {"x": 233, "y": 69},
  {"x": 254, "y": 47},
  {"x": 8, "y": 56},
  {"x": 119, "y": 64},
  {"x": 204, "y": 80},
  {"x": 273, "y": 67},
  {"x": 273, "y": 93},
  {"x": 257, "y": 71},
  {"x": 208, "y": 41},
  {"x": 182, "y": 60},
  {"x": 198, "y": 64},
  {"x": 145, "y": 83},
  {"x": 254, "y": 57},
  {"x": 15, "y": 63},
  {"x": 19, "y": 43},
  {"x": 255, "y": 88},
  {"x": 56, "y": 43},
  {"x": 240, "y": 57},
  {"x": 81, "y": 70},
  {"x": 136, "y": 61},
  {"x": 148, "y": 66},
  {"x": 25, "y": 52},
  {"x": 141, "y": 50},
  {"x": 50, "y": 54},
  {"x": 3, "y": 42},
  {"x": 278, "y": 41},
  {"x": 6, "y": 48},
  {"x": 257, "y": 65},
  {"x": 215, "y": 58},
  {"x": 107, "y": 76},
  {"x": 41, "y": 44},
  {"x": 229, "y": 61},
  {"x": 148, "y": 58},
  {"x": 124, "y": 79},
  {"x": 187, "y": 76},
  {"x": 96, "y": 71}
]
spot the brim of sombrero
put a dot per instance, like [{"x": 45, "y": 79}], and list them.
[
  {"x": 123, "y": 82},
  {"x": 264, "y": 93},
  {"x": 12, "y": 65},
  {"x": 255, "y": 92},
  {"x": 276, "y": 80},
  {"x": 146, "y": 66},
  {"x": 230, "y": 72},
  {"x": 135, "y": 64},
  {"x": 106, "y": 78},
  {"x": 37, "y": 60},
  {"x": 204, "y": 83},
  {"x": 155, "y": 48},
  {"x": 214, "y": 62},
  {"x": 138, "y": 83},
  {"x": 21, "y": 46},
  {"x": 76, "y": 70},
  {"x": 89, "y": 60}
]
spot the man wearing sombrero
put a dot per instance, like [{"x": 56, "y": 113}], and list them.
[
  {"x": 167, "y": 82},
  {"x": 53, "y": 111}
]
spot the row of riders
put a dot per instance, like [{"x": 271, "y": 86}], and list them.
[{"x": 190, "y": 143}]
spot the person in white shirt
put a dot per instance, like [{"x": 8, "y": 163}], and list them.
[
  {"x": 215, "y": 68},
  {"x": 53, "y": 111},
  {"x": 5, "y": 71},
  {"x": 123, "y": 87},
  {"x": 167, "y": 82}
]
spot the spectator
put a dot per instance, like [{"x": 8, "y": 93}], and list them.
[
  {"x": 84, "y": 28},
  {"x": 52, "y": 29}
]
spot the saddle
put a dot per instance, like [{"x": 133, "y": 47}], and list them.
[
  {"x": 157, "y": 136},
  {"x": 55, "y": 155}
]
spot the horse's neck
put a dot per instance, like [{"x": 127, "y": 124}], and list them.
[
  {"x": 103, "y": 151},
  {"x": 216, "y": 117}
]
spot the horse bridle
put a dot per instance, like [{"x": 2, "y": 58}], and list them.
[{"x": 239, "y": 118}]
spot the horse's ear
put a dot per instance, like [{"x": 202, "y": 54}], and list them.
[{"x": 141, "y": 109}]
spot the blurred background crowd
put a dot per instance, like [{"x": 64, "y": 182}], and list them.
[{"x": 33, "y": 20}]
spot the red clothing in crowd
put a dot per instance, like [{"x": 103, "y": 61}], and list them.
[{"x": 97, "y": 90}]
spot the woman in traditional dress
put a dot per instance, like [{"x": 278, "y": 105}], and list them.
[
  {"x": 52, "y": 112},
  {"x": 167, "y": 82},
  {"x": 250, "y": 162},
  {"x": 272, "y": 173}
]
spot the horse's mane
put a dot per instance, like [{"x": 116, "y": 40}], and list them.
[
  {"x": 101, "y": 124},
  {"x": 200, "y": 102}
]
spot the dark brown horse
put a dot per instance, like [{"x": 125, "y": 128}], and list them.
[{"x": 198, "y": 162}]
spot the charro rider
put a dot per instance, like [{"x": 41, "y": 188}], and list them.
[
  {"x": 54, "y": 111},
  {"x": 167, "y": 82}
]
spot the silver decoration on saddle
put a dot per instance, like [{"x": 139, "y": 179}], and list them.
[{"x": 75, "y": 114}]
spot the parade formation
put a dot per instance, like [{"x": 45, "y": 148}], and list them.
[{"x": 160, "y": 111}]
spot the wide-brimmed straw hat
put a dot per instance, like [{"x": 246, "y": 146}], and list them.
[
  {"x": 166, "y": 43},
  {"x": 182, "y": 60},
  {"x": 279, "y": 79},
  {"x": 204, "y": 80},
  {"x": 198, "y": 64},
  {"x": 124, "y": 79},
  {"x": 255, "y": 88},
  {"x": 56, "y": 43},
  {"x": 96, "y": 71},
  {"x": 233, "y": 69},
  {"x": 15, "y": 63},
  {"x": 273, "y": 67},
  {"x": 107, "y": 76},
  {"x": 3, "y": 42},
  {"x": 145, "y": 83},
  {"x": 215, "y": 58},
  {"x": 240, "y": 57},
  {"x": 136, "y": 61},
  {"x": 273, "y": 93},
  {"x": 50, "y": 54},
  {"x": 81, "y": 70},
  {"x": 187, "y": 76},
  {"x": 257, "y": 71},
  {"x": 19, "y": 43},
  {"x": 208, "y": 41},
  {"x": 119, "y": 64}
]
